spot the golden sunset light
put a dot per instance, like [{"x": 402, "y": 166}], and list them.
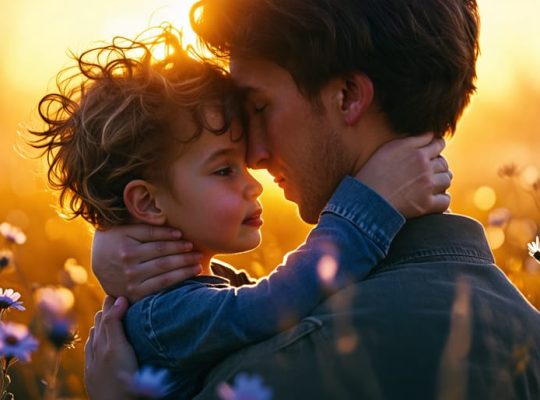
[{"x": 494, "y": 155}]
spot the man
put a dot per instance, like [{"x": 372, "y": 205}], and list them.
[{"x": 328, "y": 83}]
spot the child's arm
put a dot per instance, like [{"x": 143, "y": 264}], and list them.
[
  {"x": 137, "y": 260},
  {"x": 196, "y": 324}
]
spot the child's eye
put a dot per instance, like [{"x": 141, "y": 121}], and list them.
[{"x": 224, "y": 171}]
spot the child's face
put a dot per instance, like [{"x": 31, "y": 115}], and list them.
[{"x": 212, "y": 197}]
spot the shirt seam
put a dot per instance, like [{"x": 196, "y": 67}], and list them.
[{"x": 419, "y": 256}]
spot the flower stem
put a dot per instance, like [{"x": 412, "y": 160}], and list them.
[
  {"x": 50, "y": 393},
  {"x": 4, "y": 382},
  {"x": 2, "y": 379}
]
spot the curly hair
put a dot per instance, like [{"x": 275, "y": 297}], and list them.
[{"x": 122, "y": 113}]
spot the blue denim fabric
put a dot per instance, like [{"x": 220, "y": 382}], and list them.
[
  {"x": 436, "y": 319},
  {"x": 191, "y": 327}
]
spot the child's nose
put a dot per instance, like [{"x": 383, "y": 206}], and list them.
[{"x": 254, "y": 187}]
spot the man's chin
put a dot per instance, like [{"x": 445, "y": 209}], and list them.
[
  {"x": 309, "y": 214},
  {"x": 308, "y": 210}
]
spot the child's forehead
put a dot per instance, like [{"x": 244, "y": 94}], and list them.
[
  {"x": 228, "y": 140},
  {"x": 208, "y": 146},
  {"x": 210, "y": 149},
  {"x": 186, "y": 130}
]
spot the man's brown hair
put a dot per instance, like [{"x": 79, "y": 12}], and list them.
[
  {"x": 419, "y": 54},
  {"x": 121, "y": 114}
]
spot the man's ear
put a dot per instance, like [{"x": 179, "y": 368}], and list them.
[
  {"x": 356, "y": 97},
  {"x": 140, "y": 200}
]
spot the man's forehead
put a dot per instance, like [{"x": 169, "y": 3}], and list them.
[{"x": 252, "y": 75}]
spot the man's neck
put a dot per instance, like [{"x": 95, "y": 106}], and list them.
[{"x": 370, "y": 134}]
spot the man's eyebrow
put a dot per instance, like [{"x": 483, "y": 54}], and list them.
[{"x": 248, "y": 90}]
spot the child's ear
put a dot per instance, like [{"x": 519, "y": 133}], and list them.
[
  {"x": 140, "y": 200},
  {"x": 355, "y": 97}
]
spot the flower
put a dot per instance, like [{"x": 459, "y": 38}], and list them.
[
  {"x": 5, "y": 259},
  {"x": 148, "y": 383},
  {"x": 73, "y": 274},
  {"x": 499, "y": 217},
  {"x": 54, "y": 302},
  {"x": 16, "y": 341},
  {"x": 10, "y": 299},
  {"x": 534, "y": 249},
  {"x": 12, "y": 233},
  {"x": 508, "y": 171},
  {"x": 61, "y": 333},
  {"x": 245, "y": 387}
]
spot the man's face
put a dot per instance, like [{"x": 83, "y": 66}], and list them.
[{"x": 290, "y": 137}]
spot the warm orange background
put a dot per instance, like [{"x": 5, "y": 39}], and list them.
[{"x": 501, "y": 126}]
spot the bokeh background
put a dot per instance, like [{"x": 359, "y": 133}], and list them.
[{"x": 494, "y": 155}]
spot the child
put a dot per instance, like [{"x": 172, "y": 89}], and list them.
[{"x": 131, "y": 138}]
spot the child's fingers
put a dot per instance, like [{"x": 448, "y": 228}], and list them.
[
  {"x": 434, "y": 148},
  {"x": 160, "y": 282},
  {"x": 418, "y": 141},
  {"x": 440, "y": 203},
  {"x": 441, "y": 182},
  {"x": 439, "y": 164}
]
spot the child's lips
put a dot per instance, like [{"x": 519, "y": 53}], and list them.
[{"x": 254, "y": 219}]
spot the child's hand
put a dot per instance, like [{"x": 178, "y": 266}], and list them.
[
  {"x": 411, "y": 175},
  {"x": 137, "y": 260}
]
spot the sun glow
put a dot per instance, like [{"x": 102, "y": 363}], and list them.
[{"x": 42, "y": 35}]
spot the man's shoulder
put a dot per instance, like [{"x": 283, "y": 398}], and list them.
[{"x": 440, "y": 237}]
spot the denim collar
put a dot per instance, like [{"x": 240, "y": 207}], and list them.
[{"x": 439, "y": 237}]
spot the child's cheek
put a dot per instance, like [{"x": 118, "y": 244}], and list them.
[{"x": 229, "y": 214}]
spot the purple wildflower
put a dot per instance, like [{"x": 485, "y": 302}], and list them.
[
  {"x": 16, "y": 341},
  {"x": 148, "y": 383},
  {"x": 499, "y": 217},
  {"x": 61, "y": 333},
  {"x": 245, "y": 387},
  {"x": 10, "y": 299},
  {"x": 5, "y": 259}
]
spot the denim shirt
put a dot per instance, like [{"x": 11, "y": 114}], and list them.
[
  {"x": 194, "y": 325},
  {"x": 435, "y": 319}
]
